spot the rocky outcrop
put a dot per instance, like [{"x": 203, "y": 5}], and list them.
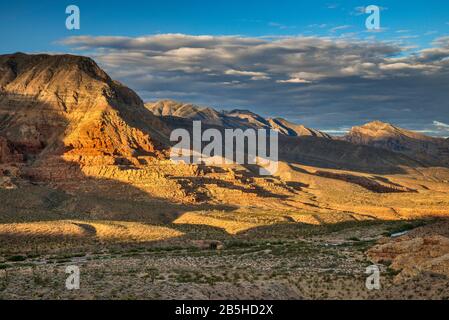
[{"x": 414, "y": 253}]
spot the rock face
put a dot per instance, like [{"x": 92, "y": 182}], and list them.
[
  {"x": 427, "y": 149},
  {"x": 425, "y": 249},
  {"x": 55, "y": 105}
]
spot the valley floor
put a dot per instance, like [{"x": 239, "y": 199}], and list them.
[
  {"x": 319, "y": 262},
  {"x": 172, "y": 232}
]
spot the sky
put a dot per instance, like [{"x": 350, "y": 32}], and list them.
[{"x": 311, "y": 62}]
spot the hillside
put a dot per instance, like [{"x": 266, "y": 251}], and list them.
[
  {"x": 67, "y": 104},
  {"x": 430, "y": 150}
]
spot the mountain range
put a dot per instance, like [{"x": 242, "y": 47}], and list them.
[
  {"x": 86, "y": 178},
  {"x": 235, "y": 119},
  {"x": 54, "y": 105},
  {"x": 376, "y": 144}
]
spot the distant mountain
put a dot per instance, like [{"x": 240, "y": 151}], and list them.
[
  {"x": 297, "y": 143},
  {"x": 294, "y": 130},
  {"x": 378, "y": 134},
  {"x": 169, "y": 108},
  {"x": 176, "y": 113}
]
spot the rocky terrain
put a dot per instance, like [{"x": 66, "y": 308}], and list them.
[{"x": 85, "y": 179}]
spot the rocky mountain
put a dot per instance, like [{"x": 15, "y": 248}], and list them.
[
  {"x": 54, "y": 105},
  {"x": 66, "y": 107},
  {"x": 176, "y": 113},
  {"x": 378, "y": 134},
  {"x": 169, "y": 108},
  {"x": 293, "y": 130},
  {"x": 297, "y": 143},
  {"x": 84, "y": 174}
]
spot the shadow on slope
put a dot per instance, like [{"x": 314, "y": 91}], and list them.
[{"x": 52, "y": 188}]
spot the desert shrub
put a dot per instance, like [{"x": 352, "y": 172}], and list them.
[{"x": 16, "y": 258}]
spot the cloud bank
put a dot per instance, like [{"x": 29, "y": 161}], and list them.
[{"x": 326, "y": 83}]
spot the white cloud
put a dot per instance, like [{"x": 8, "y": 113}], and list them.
[
  {"x": 280, "y": 26},
  {"x": 253, "y": 75},
  {"x": 339, "y": 28},
  {"x": 361, "y": 10},
  {"x": 332, "y": 5},
  {"x": 343, "y": 80},
  {"x": 294, "y": 80},
  {"x": 321, "y": 26},
  {"x": 401, "y": 66},
  {"x": 358, "y": 11},
  {"x": 441, "y": 125}
]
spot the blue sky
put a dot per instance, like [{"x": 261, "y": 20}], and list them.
[
  {"x": 312, "y": 62},
  {"x": 35, "y": 25}
]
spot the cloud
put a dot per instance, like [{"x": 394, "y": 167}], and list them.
[
  {"x": 280, "y": 26},
  {"x": 326, "y": 82},
  {"x": 253, "y": 75},
  {"x": 339, "y": 28},
  {"x": 332, "y": 5},
  {"x": 358, "y": 11},
  {"x": 294, "y": 80},
  {"x": 441, "y": 125},
  {"x": 361, "y": 10},
  {"x": 321, "y": 26}
]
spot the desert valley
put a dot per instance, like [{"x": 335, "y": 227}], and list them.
[{"x": 86, "y": 180}]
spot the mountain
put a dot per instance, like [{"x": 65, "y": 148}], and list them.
[
  {"x": 248, "y": 119},
  {"x": 297, "y": 143},
  {"x": 66, "y": 107},
  {"x": 176, "y": 113},
  {"x": 64, "y": 104},
  {"x": 169, "y": 108},
  {"x": 430, "y": 150},
  {"x": 290, "y": 129},
  {"x": 85, "y": 177}
]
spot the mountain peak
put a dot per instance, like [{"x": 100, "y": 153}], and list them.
[
  {"x": 387, "y": 136},
  {"x": 292, "y": 129},
  {"x": 378, "y": 123},
  {"x": 13, "y": 65},
  {"x": 382, "y": 130},
  {"x": 55, "y": 103}
]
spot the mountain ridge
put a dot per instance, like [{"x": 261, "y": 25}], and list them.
[
  {"x": 388, "y": 136},
  {"x": 236, "y": 118},
  {"x": 89, "y": 118}
]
